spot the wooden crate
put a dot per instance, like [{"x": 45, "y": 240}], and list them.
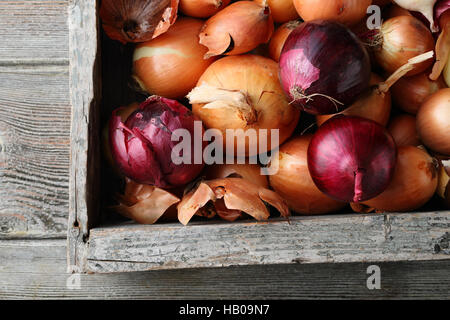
[{"x": 130, "y": 247}]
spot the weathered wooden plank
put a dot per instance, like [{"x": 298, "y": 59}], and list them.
[
  {"x": 34, "y": 151},
  {"x": 33, "y": 32},
  {"x": 331, "y": 239},
  {"x": 37, "y": 270},
  {"x": 85, "y": 84}
]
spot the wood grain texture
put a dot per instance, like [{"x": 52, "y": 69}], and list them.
[
  {"x": 85, "y": 95},
  {"x": 34, "y": 32},
  {"x": 36, "y": 270},
  {"x": 34, "y": 151},
  {"x": 331, "y": 239}
]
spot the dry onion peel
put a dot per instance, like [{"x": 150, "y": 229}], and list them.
[
  {"x": 442, "y": 46},
  {"x": 443, "y": 188},
  {"x": 237, "y": 194},
  {"x": 250, "y": 172},
  {"x": 144, "y": 204},
  {"x": 236, "y": 29},
  {"x": 137, "y": 20}
]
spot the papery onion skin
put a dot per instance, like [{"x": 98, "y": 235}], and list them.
[
  {"x": 351, "y": 159},
  {"x": 237, "y": 29},
  {"x": 402, "y": 38},
  {"x": 413, "y": 184},
  {"x": 403, "y": 129},
  {"x": 137, "y": 20},
  {"x": 323, "y": 67},
  {"x": 373, "y": 105},
  {"x": 443, "y": 188},
  {"x": 294, "y": 183},
  {"x": 348, "y": 12},
  {"x": 142, "y": 145},
  {"x": 282, "y": 10},
  {"x": 257, "y": 79},
  {"x": 202, "y": 8},
  {"x": 433, "y": 122},
  {"x": 171, "y": 64},
  {"x": 409, "y": 93},
  {"x": 279, "y": 37},
  {"x": 250, "y": 172}
]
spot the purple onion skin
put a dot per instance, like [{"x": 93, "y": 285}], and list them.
[
  {"x": 142, "y": 146},
  {"x": 323, "y": 59},
  {"x": 352, "y": 159}
]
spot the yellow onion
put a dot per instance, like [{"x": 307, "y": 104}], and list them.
[
  {"x": 400, "y": 39},
  {"x": 433, "y": 122},
  {"x": 236, "y": 193},
  {"x": 349, "y": 12},
  {"x": 137, "y": 20},
  {"x": 282, "y": 10},
  {"x": 279, "y": 37},
  {"x": 403, "y": 129},
  {"x": 202, "y": 8},
  {"x": 238, "y": 28},
  {"x": 294, "y": 183},
  {"x": 413, "y": 184},
  {"x": 409, "y": 93},
  {"x": 395, "y": 11},
  {"x": 244, "y": 92},
  {"x": 171, "y": 64}
]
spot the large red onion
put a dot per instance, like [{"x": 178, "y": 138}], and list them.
[
  {"x": 351, "y": 159},
  {"x": 323, "y": 67},
  {"x": 142, "y": 146}
]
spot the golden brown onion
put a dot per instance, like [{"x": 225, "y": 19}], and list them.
[
  {"x": 171, "y": 64},
  {"x": 238, "y": 28},
  {"x": 282, "y": 10},
  {"x": 348, "y": 12},
  {"x": 279, "y": 37},
  {"x": 244, "y": 92},
  {"x": 403, "y": 130},
  {"x": 433, "y": 122},
  {"x": 137, "y": 20},
  {"x": 293, "y": 181},
  {"x": 202, "y": 8},
  {"x": 413, "y": 185}
]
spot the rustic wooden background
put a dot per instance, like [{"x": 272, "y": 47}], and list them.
[{"x": 34, "y": 182}]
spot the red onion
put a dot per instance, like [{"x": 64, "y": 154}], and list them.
[
  {"x": 351, "y": 159},
  {"x": 142, "y": 146},
  {"x": 323, "y": 67}
]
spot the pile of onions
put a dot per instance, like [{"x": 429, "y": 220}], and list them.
[
  {"x": 202, "y": 8},
  {"x": 351, "y": 159},
  {"x": 433, "y": 122},
  {"x": 403, "y": 130},
  {"x": 409, "y": 93},
  {"x": 400, "y": 39},
  {"x": 413, "y": 184},
  {"x": 282, "y": 10},
  {"x": 279, "y": 38},
  {"x": 238, "y": 28},
  {"x": 244, "y": 92},
  {"x": 348, "y": 12},
  {"x": 323, "y": 67},
  {"x": 171, "y": 64},
  {"x": 142, "y": 145},
  {"x": 137, "y": 20},
  {"x": 293, "y": 181}
]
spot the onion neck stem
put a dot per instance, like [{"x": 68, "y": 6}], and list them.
[{"x": 359, "y": 174}]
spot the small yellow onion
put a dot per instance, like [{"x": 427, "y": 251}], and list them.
[
  {"x": 244, "y": 92},
  {"x": 294, "y": 183},
  {"x": 413, "y": 184},
  {"x": 202, "y": 8},
  {"x": 400, "y": 39},
  {"x": 433, "y": 122},
  {"x": 279, "y": 37},
  {"x": 236, "y": 29},
  {"x": 403, "y": 130},
  {"x": 171, "y": 64},
  {"x": 409, "y": 93},
  {"x": 349, "y": 12},
  {"x": 282, "y": 10}
]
